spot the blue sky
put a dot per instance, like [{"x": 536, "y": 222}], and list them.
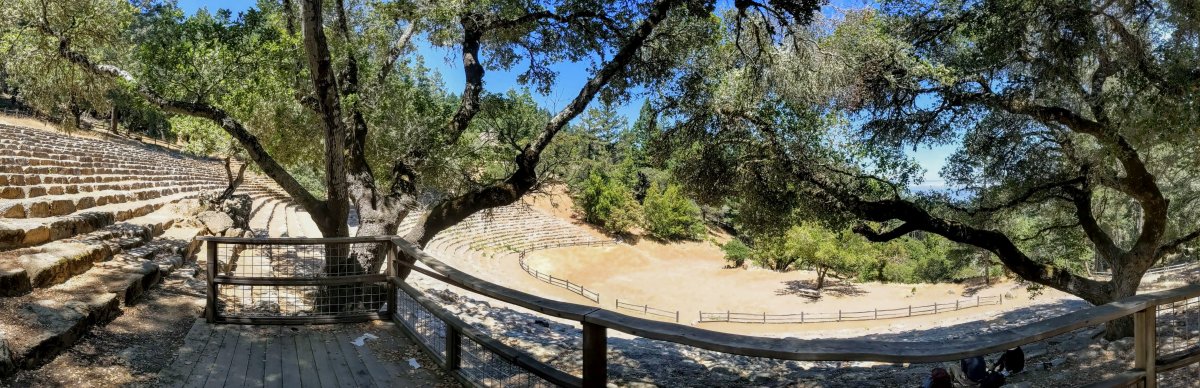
[{"x": 571, "y": 77}]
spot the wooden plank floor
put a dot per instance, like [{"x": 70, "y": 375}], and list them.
[{"x": 228, "y": 355}]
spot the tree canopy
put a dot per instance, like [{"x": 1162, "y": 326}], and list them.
[{"x": 1074, "y": 123}]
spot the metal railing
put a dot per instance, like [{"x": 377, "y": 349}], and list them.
[
  {"x": 481, "y": 360},
  {"x": 840, "y": 315}
]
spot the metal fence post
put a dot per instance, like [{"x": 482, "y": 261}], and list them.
[
  {"x": 210, "y": 310},
  {"x": 1145, "y": 345},
  {"x": 595, "y": 355}
]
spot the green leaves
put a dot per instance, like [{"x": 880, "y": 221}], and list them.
[
  {"x": 671, "y": 216},
  {"x": 607, "y": 203}
]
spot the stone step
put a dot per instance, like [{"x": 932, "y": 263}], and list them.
[
  {"x": 29, "y": 180},
  {"x": 46, "y": 322},
  {"x": 19, "y": 192},
  {"x": 60, "y": 205},
  {"x": 150, "y": 163},
  {"x": 24, "y": 270},
  {"x": 163, "y": 170},
  {"x": 19, "y": 233}
]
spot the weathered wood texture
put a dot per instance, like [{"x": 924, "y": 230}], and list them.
[{"x": 282, "y": 356}]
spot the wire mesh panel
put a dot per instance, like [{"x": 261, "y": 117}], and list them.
[
  {"x": 297, "y": 281},
  {"x": 429, "y": 329},
  {"x": 486, "y": 368},
  {"x": 1177, "y": 331},
  {"x": 473, "y": 353}
]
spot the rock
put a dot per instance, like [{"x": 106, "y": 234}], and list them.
[
  {"x": 6, "y": 364},
  {"x": 234, "y": 232},
  {"x": 1121, "y": 345},
  {"x": 723, "y": 369},
  {"x": 541, "y": 323},
  {"x": 216, "y": 222}
]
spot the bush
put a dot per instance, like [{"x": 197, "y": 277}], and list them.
[
  {"x": 607, "y": 203},
  {"x": 736, "y": 253},
  {"x": 671, "y": 216}
]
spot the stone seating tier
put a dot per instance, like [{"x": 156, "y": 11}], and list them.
[{"x": 88, "y": 225}]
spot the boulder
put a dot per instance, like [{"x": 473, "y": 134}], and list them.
[{"x": 216, "y": 222}]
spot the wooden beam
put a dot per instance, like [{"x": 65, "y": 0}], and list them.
[
  {"x": 210, "y": 309},
  {"x": 595, "y": 356},
  {"x": 1145, "y": 345}
]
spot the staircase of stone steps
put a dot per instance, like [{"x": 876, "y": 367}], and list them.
[{"x": 88, "y": 226}]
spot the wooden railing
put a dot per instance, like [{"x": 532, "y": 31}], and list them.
[
  {"x": 560, "y": 282},
  {"x": 237, "y": 267},
  {"x": 647, "y": 310},
  {"x": 461, "y": 348},
  {"x": 596, "y": 322},
  {"x": 841, "y": 315}
]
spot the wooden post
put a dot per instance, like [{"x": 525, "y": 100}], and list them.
[
  {"x": 595, "y": 355},
  {"x": 453, "y": 348},
  {"x": 839, "y": 315},
  {"x": 801, "y": 317},
  {"x": 910, "y": 310},
  {"x": 764, "y": 317},
  {"x": 1145, "y": 345},
  {"x": 726, "y": 315},
  {"x": 676, "y": 316},
  {"x": 977, "y": 299},
  {"x": 956, "y": 305},
  {"x": 876, "y": 313},
  {"x": 210, "y": 310},
  {"x": 391, "y": 287}
]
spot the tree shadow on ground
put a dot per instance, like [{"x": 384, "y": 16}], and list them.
[
  {"x": 636, "y": 360},
  {"x": 838, "y": 288},
  {"x": 974, "y": 285}
]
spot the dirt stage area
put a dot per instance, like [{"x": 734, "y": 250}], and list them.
[{"x": 691, "y": 277}]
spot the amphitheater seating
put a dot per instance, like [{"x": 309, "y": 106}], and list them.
[
  {"x": 88, "y": 225},
  {"x": 506, "y": 230}
]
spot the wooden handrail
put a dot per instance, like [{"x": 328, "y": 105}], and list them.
[
  {"x": 804, "y": 349},
  {"x": 293, "y": 240}
]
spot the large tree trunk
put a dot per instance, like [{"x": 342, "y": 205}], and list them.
[{"x": 1125, "y": 282}]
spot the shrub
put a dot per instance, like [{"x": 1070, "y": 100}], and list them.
[
  {"x": 671, "y": 216},
  {"x": 607, "y": 203},
  {"x": 736, "y": 253}
]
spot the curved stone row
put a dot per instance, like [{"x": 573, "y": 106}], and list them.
[{"x": 89, "y": 225}]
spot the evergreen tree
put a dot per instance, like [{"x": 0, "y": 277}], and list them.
[{"x": 671, "y": 216}]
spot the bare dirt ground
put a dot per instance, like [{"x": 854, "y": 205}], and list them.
[
  {"x": 27, "y": 122},
  {"x": 690, "y": 277},
  {"x": 130, "y": 350}
]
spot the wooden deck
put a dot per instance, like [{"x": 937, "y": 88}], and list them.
[{"x": 229, "y": 355}]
